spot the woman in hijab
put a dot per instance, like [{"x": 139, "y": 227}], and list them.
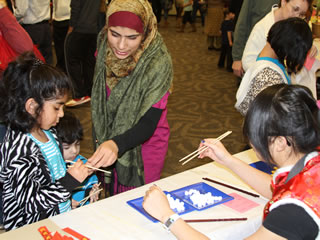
[{"x": 132, "y": 82}]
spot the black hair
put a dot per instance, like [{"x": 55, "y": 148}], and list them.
[
  {"x": 291, "y": 39},
  {"x": 27, "y": 77},
  {"x": 283, "y": 110},
  {"x": 69, "y": 129}
]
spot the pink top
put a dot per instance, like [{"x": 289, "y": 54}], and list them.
[{"x": 155, "y": 149}]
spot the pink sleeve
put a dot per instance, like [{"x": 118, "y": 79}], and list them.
[
  {"x": 14, "y": 33},
  {"x": 163, "y": 102}
]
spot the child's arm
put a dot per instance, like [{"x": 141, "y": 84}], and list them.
[
  {"x": 32, "y": 190},
  {"x": 229, "y": 33}
]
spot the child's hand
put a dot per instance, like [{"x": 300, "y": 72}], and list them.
[
  {"x": 94, "y": 197},
  {"x": 74, "y": 204},
  {"x": 79, "y": 171}
]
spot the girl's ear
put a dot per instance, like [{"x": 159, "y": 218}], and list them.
[
  {"x": 280, "y": 143},
  {"x": 31, "y": 106}
]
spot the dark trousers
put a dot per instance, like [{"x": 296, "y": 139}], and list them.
[
  {"x": 195, "y": 7},
  {"x": 187, "y": 17},
  {"x": 60, "y": 29},
  {"x": 40, "y": 34},
  {"x": 226, "y": 51},
  {"x": 157, "y": 9},
  {"x": 80, "y": 61}
]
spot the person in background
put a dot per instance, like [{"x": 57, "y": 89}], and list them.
[
  {"x": 235, "y": 6},
  {"x": 14, "y": 39},
  {"x": 213, "y": 22},
  {"x": 34, "y": 17},
  {"x": 36, "y": 183},
  {"x": 60, "y": 24},
  {"x": 284, "y": 54},
  {"x": 80, "y": 45},
  {"x": 70, "y": 133},
  {"x": 282, "y": 126},
  {"x": 132, "y": 83},
  {"x": 157, "y": 9},
  {"x": 251, "y": 12},
  {"x": 187, "y": 16},
  {"x": 179, "y": 10},
  {"x": 226, "y": 45},
  {"x": 166, "y": 6},
  {"x": 259, "y": 33},
  {"x": 199, "y": 5}
]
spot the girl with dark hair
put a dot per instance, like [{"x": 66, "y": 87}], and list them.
[
  {"x": 36, "y": 183},
  {"x": 285, "y": 52},
  {"x": 283, "y": 127},
  {"x": 258, "y": 36}
]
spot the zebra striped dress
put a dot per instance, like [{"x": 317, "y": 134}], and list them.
[{"x": 29, "y": 193}]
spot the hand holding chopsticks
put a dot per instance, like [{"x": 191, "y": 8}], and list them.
[
  {"x": 83, "y": 201},
  {"x": 93, "y": 168},
  {"x": 194, "y": 154}
]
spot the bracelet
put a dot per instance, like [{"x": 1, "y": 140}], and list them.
[{"x": 167, "y": 224}]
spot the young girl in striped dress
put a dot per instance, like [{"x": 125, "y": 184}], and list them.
[{"x": 36, "y": 183}]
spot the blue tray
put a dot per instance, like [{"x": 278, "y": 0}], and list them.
[
  {"x": 262, "y": 166},
  {"x": 202, "y": 188},
  {"x": 137, "y": 204}
]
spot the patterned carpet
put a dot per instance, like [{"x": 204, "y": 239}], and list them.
[{"x": 201, "y": 105}]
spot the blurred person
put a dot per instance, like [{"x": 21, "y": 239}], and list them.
[
  {"x": 251, "y": 12},
  {"x": 34, "y": 16}
]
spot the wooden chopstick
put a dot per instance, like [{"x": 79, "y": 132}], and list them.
[
  {"x": 203, "y": 148},
  {"x": 216, "y": 220},
  {"x": 195, "y": 152},
  {"x": 83, "y": 201},
  {"x": 88, "y": 166},
  {"x": 232, "y": 187}
]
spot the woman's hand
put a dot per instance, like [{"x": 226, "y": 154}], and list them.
[
  {"x": 237, "y": 68},
  {"x": 216, "y": 152},
  {"x": 79, "y": 171},
  {"x": 105, "y": 155},
  {"x": 155, "y": 202}
]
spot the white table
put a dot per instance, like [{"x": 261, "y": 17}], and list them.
[{"x": 112, "y": 218}]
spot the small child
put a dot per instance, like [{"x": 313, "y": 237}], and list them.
[
  {"x": 70, "y": 133},
  {"x": 36, "y": 183},
  {"x": 227, "y": 27},
  {"x": 187, "y": 16}
]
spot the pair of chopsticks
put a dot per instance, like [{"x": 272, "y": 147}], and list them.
[
  {"x": 232, "y": 187},
  {"x": 215, "y": 220},
  {"x": 194, "y": 154},
  {"x": 93, "y": 168},
  {"x": 83, "y": 201}
]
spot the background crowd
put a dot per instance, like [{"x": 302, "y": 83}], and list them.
[{"x": 113, "y": 55}]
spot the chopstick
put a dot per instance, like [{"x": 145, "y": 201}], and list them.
[
  {"x": 202, "y": 149},
  {"x": 83, "y": 201},
  {"x": 232, "y": 187},
  {"x": 88, "y": 166},
  {"x": 216, "y": 220}
]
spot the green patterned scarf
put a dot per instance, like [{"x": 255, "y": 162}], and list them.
[{"x": 129, "y": 100}]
